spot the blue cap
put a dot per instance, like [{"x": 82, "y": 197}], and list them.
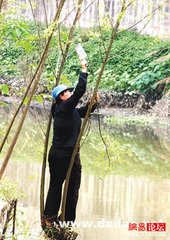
[{"x": 59, "y": 89}]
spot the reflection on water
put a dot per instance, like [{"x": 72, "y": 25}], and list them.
[
  {"x": 133, "y": 150},
  {"x": 133, "y": 189},
  {"x": 116, "y": 199}
]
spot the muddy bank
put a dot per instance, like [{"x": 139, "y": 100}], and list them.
[
  {"x": 161, "y": 109},
  {"x": 138, "y": 106}
]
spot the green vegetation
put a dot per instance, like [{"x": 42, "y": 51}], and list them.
[
  {"x": 10, "y": 190},
  {"x": 138, "y": 120},
  {"x": 131, "y": 66}
]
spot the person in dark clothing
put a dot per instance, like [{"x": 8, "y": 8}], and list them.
[{"x": 66, "y": 129}]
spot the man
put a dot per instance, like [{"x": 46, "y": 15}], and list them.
[{"x": 66, "y": 129}]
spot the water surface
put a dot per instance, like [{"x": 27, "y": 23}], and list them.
[{"x": 130, "y": 184}]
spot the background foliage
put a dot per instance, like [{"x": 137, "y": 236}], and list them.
[{"x": 132, "y": 65}]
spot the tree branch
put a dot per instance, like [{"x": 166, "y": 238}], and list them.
[
  {"x": 1, "y": 3},
  {"x": 114, "y": 32},
  {"x": 65, "y": 53}
]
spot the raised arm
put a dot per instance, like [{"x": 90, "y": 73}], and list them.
[{"x": 71, "y": 102}]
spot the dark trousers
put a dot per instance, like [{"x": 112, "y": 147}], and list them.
[{"x": 59, "y": 160}]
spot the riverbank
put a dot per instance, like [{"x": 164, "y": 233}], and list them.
[{"x": 160, "y": 111}]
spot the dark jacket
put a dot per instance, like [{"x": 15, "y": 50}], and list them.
[{"x": 67, "y": 118}]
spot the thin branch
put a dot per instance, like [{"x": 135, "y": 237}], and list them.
[
  {"x": 66, "y": 16},
  {"x": 74, "y": 9},
  {"x": 111, "y": 18},
  {"x": 39, "y": 34},
  {"x": 59, "y": 39},
  {"x": 87, "y": 7},
  {"x": 87, "y": 131},
  {"x": 146, "y": 16},
  {"x": 12, "y": 205},
  {"x": 50, "y": 119},
  {"x": 40, "y": 125},
  {"x": 77, "y": 16},
  {"x": 114, "y": 32},
  {"x": 34, "y": 17},
  {"x": 44, "y": 166},
  {"x": 45, "y": 12},
  {"x": 14, "y": 216},
  {"x": 102, "y": 39},
  {"x": 100, "y": 132},
  {"x": 1, "y": 3},
  {"x": 72, "y": 4},
  {"x": 125, "y": 45}
]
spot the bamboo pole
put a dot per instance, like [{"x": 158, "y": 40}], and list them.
[{"x": 35, "y": 80}]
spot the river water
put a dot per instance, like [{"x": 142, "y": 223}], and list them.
[{"x": 132, "y": 189}]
